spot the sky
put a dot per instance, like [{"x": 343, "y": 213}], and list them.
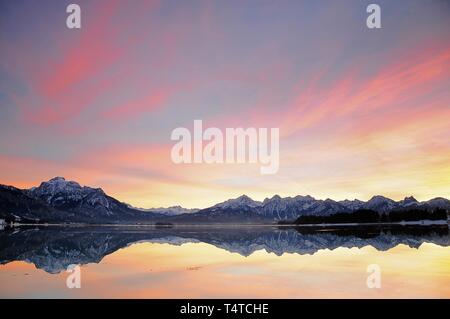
[{"x": 360, "y": 111}]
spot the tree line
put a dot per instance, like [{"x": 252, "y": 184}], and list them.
[{"x": 371, "y": 216}]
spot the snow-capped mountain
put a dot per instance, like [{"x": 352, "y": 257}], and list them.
[
  {"x": 352, "y": 205},
  {"x": 437, "y": 202},
  {"x": 408, "y": 202},
  {"x": 238, "y": 203},
  {"x": 238, "y": 210},
  {"x": 59, "y": 200},
  {"x": 58, "y": 192},
  {"x": 169, "y": 211},
  {"x": 287, "y": 208},
  {"x": 380, "y": 204},
  {"x": 290, "y": 208}
]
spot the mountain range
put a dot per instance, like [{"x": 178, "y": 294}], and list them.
[{"x": 62, "y": 201}]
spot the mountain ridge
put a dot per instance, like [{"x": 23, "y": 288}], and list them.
[{"x": 59, "y": 200}]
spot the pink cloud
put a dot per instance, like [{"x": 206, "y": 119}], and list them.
[
  {"x": 408, "y": 80},
  {"x": 134, "y": 108},
  {"x": 64, "y": 86}
]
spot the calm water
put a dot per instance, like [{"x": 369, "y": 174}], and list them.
[{"x": 225, "y": 262}]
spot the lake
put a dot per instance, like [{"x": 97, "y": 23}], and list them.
[{"x": 225, "y": 262}]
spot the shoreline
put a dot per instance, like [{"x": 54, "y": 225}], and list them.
[{"x": 421, "y": 223}]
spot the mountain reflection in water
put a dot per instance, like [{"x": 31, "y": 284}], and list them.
[{"x": 54, "y": 248}]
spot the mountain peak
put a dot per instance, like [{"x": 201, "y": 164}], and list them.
[
  {"x": 274, "y": 198},
  {"x": 378, "y": 197},
  {"x": 60, "y": 190},
  {"x": 409, "y": 199},
  {"x": 242, "y": 200},
  {"x": 380, "y": 204},
  {"x": 59, "y": 183},
  {"x": 246, "y": 200}
]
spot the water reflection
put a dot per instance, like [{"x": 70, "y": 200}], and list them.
[{"x": 54, "y": 248}]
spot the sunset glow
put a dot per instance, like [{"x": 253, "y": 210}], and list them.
[{"x": 360, "y": 112}]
